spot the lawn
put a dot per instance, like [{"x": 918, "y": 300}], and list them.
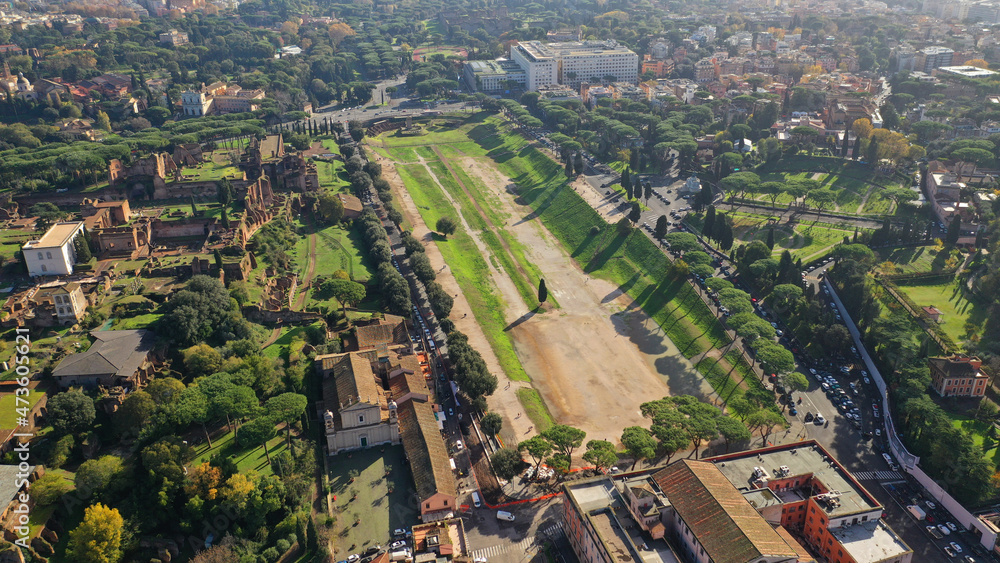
[
  {"x": 977, "y": 430},
  {"x": 807, "y": 240},
  {"x": 376, "y": 510},
  {"x": 328, "y": 177},
  {"x": 136, "y": 322},
  {"x": 956, "y": 307},
  {"x": 850, "y": 180},
  {"x": 246, "y": 458},
  {"x": 918, "y": 259},
  {"x": 210, "y": 171},
  {"x": 535, "y": 409},
  {"x": 467, "y": 264},
  {"x": 9, "y": 404}
]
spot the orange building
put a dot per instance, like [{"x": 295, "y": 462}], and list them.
[{"x": 958, "y": 376}]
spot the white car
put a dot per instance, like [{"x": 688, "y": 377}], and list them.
[
  {"x": 397, "y": 544},
  {"x": 956, "y": 547},
  {"x": 353, "y": 558},
  {"x": 819, "y": 420},
  {"x": 952, "y": 526}
]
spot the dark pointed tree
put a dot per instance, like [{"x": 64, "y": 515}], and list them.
[
  {"x": 661, "y": 227},
  {"x": 543, "y": 292},
  {"x": 635, "y": 213},
  {"x": 954, "y": 230},
  {"x": 770, "y": 238},
  {"x": 708, "y": 228}
]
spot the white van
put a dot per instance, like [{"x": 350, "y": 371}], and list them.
[
  {"x": 476, "y": 501},
  {"x": 504, "y": 515}
]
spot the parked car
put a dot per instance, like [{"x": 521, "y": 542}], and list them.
[
  {"x": 353, "y": 558},
  {"x": 397, "y": 544},
  {"x": 956, "y": 547}
]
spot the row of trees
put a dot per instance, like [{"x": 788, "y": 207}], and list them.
[{"x": 900, "y": 347}]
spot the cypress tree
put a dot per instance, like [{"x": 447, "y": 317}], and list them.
[
  {"x": 708, "y": 228},
  {"x": 627, "y": 183},
  {"x": 843, "y": 147},
  {"x": 543, "y": 292},
  {"x": 770, "y": 238}
]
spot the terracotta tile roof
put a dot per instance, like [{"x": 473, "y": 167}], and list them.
[
  {"x": 955, "y": 367},
  {"x": 424, "y": 446},
  {"x": 728, "y": 527},
  {"x": 351, "y": 203},
  {"x": 804, "y": 556},
  {"x": 408, "y": 381},
  {"x": 390, "y": 330},
  {"x": 354, "y": 378}
]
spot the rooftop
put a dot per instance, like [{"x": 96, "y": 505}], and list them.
[
  {"x": 966, "y": 71},
  {"x": 57, "y": 235},
  {"x": 502, "y": 66},
  {"x": 601, "y": 502},
  {"x": 870, "y": 541},
  {"x": 542, "y": 51},
  {"x": 8, "y": 478},
  {"x": 114, "y": 352},
  {"x": 728, "y": 527},
  {"x": 426, "y": 450},
  {"x": 803, "y": 459}
]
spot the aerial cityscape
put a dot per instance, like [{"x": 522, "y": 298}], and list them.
[{"x": 498, "y": 281}]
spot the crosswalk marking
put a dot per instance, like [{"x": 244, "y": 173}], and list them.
[
  {"x": 877, "y": 475},
  {"x": 520, "y": 546}
]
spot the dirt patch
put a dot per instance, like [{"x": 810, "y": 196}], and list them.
[{"x": 594, "y": 360}]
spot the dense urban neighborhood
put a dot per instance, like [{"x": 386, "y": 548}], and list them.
[{"x": 466, "y": 282}]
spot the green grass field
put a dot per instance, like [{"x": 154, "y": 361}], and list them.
[
  {"x": 956, "y": 307},
  {"x": 9, "y": 404},
  {"x": 807, "y": 240},
  {"x": 376, "y": 510},
  {"x": 535, "y": 409},
  {"x": 467, "y": 264},
  {"x": 850, "y": 180},
  {"x": 246, "y": 458},
  {"x": 918, "y": 260}
]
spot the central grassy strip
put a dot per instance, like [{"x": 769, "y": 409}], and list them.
[
  {"x": 467, "y": 264},
  {"x": 633, "y": 262},
  {"x": 478, "y": 223}
]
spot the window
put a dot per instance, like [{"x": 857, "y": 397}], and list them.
[
  {"x": 48, "y": 255},
  {"x": 361, "y": 418},
  {"x": 44, "y": 269},
  {"x": 428, "y": 505},
  {"x": 41, "y": 256}
]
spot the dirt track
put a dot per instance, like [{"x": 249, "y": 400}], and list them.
[{"x": 594, "y": 360}]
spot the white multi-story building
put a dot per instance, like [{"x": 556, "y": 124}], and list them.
[
  {"x": 493, "y": 76},
  {"x": 54, "y": 254},
  {"x": 575, "y": 62}
]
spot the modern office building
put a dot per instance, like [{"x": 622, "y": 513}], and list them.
[
  {"x": 929, "y": 58},
  {"x": 572, "y": 63},
  {"x": 494, "y": 76}
]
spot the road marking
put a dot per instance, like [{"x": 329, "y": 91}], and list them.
[
  {"x": 521, "y": 546},
  {"x": 877, "y": 476}
]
